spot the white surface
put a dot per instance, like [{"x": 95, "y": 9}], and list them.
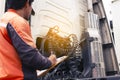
[
  {"x": 116, "y": 25},
  {"x": 2, "y": 7},
  {"x": 66, "y": 14}
]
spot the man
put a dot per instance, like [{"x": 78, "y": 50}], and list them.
[{"x": 19, "y": 58}]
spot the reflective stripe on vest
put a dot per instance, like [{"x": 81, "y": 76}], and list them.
[{"x": 3, "y": 25}]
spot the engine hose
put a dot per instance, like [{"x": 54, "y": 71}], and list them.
[
  {"x": 42, "y": 45},
  {"x": 55, "y": 70}
]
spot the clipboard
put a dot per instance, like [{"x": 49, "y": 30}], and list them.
[{"x": 43, "y": 72}]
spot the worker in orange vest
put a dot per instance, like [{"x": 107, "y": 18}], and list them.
[{"x": 19, "y": 57}]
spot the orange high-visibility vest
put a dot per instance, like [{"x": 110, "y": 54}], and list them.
[
  {"x": 10, "y": 64},
  {"x": 19, "y": 58}
]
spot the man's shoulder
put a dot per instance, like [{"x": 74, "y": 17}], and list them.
[
  {"x": 13, "y": 18},
  {"x": 18, "y": 19}
]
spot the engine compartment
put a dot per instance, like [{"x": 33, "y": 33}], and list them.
[{"x": 69, "y": 46}]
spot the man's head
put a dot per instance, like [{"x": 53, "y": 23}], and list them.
[{"x": 24, "y": 5}]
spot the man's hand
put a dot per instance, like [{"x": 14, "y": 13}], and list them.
[{"x": 52, "y": 58}]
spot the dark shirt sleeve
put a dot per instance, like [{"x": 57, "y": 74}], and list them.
[{"x": 29, "y": 56}]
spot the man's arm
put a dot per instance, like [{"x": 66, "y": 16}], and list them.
[{"x": 29, "y": 55}]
